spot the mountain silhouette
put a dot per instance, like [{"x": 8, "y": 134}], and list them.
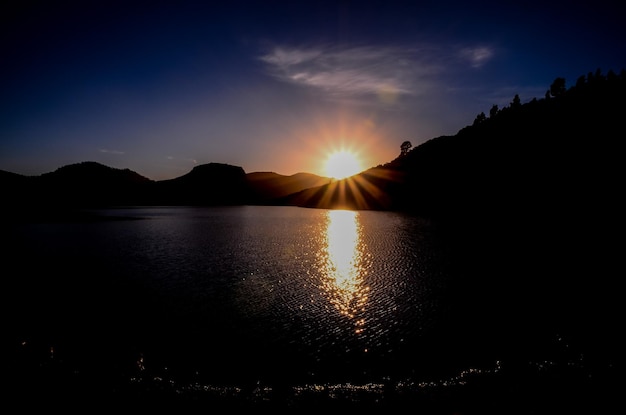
[
  {"x": 546, "y": 158},
  {"x": 268, "y": 187},
  {"x": 91, "y": 184},
  {"x": 206, "y": 184}
]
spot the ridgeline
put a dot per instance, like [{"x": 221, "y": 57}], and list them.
[{"x": 551, "y": 157}]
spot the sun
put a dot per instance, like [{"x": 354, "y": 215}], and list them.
[{"x": 341, "y": 164}]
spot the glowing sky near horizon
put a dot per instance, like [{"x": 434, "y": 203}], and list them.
[{"x": 160, "y": 87}]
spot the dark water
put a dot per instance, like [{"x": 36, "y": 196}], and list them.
[{"x": 242, "y": 302}]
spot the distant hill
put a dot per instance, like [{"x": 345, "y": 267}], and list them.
[
  {"x": 206, "y": 184},
  {"x": 267, "y": 187},
  {"x": 81, "y": 184},
  {"x": 91, "y": 184}
]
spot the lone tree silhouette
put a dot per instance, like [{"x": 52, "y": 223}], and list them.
[
  {"x": 517, "y": 102},
  {"x": 557, "y": 87},
  {"x": 405, "y": 147}
]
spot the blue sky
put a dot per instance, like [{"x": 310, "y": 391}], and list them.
[{"x": 159, "y": 87}]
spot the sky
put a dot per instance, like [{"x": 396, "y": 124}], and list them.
[{"x": 160, "y": 87}]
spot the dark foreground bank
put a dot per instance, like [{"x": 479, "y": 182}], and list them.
[{"x": 547, "y": 387}]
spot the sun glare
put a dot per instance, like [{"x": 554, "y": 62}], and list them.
[{"x": 342, "y": 164}]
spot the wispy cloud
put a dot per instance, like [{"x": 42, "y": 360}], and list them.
[
  {"x": 477, "y": 56},
  {"x": 104, "y": 150},
  {"x": 350, "y": 71}
]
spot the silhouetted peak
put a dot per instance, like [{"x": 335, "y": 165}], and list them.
[
  {"x": 212, "y": 172},
  {"x": 217, "y": 168},
  {"x": 91, "y": 170},
  {"x": 85, "y": 165}
]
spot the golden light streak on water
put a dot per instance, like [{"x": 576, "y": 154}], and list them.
[{"x": 342, "y": 265}]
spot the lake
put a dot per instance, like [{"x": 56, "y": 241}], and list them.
[{"x": 246, "y": 301}]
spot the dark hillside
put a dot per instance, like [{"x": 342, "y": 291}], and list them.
[
  {"x": 11, "y": 184},
  {"x": 558, "y": 154},
  {"x": 90, "y": 184},
  {"x": 529, "y": 202},
  {"x": 79, "y": 185},
  {"x": 265, "y": 187},
  {"x": 206, "y": 184},
  {"x": 551, "y": 158},
  {"x": 532, "y": 200},
  {"x": 561, "y": 153}
]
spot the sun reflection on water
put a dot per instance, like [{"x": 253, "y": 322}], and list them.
[{"x": 342, "y": 265}]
